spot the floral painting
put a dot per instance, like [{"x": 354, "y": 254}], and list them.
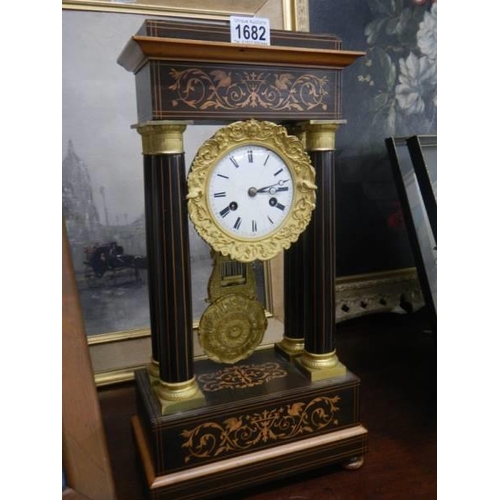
[{"x": 400, "y": 68}]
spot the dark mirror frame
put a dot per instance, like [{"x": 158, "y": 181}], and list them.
[
  {"x": 423, "y": 153},
  {"x": 416, "y": 218}
]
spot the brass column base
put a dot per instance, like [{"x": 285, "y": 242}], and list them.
[
  {"x": 153, "y": 372},
  {"x": 182, "y": 396},
  {"x": 290, "y": 348},
  {"x": 320, "y": 366}
]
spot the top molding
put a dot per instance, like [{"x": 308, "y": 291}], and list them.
[{"x": 204, "y": 42}]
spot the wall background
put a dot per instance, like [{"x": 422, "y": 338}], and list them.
[{"x": 390, "y": 92}]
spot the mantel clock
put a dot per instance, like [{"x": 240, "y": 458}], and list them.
[{"x": 263, "y": 184}]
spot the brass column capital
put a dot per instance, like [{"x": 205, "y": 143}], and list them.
[
  {"x": 318, "y": 135},
  {"x": 162, "y": 137}
]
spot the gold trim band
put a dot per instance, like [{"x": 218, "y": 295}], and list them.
[
  {"x": 162, "y": 137},
  {"x": 320, "y": 366},
  {"x": 296, "y": 15},
  {"x": 177, "y": 391},
  {"x": 319, "y": 361},
  {"x": 154, "y": 371},
  {"x": 180, "y": 396},
  {"x": 119, "y": 336},
  {"x": 292, "y": 347},
  {"x": 319, "y": 135},
  {"x": 210, "y": 9}
]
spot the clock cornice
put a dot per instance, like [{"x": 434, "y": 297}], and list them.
[{"x": 142, "y": 49}]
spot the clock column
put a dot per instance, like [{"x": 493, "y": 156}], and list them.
[
  {"x": 319, "y": 359},
  {"x": 169, "y": 272},
  {"x": 294, "y": 276},
  {"x": 293, "y": 280}
]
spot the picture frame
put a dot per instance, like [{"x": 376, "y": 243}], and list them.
[
  {"x": 416, "y": 218},
  {"x": 423, "y": 153},
  {"x": 282, "y": 14},
  {"x": 92, "y": 30}
]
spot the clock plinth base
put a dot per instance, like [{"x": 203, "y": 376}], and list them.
[
  {"x": 232, "y": 475},
  {"x": 263, "y": 420}
]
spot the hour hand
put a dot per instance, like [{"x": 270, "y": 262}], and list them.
[{"x": 272, "y": 188}]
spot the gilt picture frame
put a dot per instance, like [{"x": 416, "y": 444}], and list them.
[{"x": 98, "y": 110}]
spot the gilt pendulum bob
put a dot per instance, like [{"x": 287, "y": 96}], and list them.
[{"x": 234, "y": 323}]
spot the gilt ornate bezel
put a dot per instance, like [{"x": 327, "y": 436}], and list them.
[{"x": 291, "y": 150}]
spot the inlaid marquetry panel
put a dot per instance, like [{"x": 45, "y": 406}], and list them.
[{"x": 183, "y": 90}]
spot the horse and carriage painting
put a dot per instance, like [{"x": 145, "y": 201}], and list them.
[{"x": 108, "y": 265}]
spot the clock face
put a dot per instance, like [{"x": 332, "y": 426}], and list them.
[{"x": 250, "y": 192}]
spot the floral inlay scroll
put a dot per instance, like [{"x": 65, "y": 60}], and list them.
[
  {"x": 240, "y": 376},
  {"x": 211, "y": 439},
  {"x": 234, "y": 90}
]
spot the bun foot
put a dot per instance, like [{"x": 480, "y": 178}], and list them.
[{"x": 354, "y": 463}]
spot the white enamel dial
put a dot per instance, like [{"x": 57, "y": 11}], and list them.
[{"x": 250, "y": 192}]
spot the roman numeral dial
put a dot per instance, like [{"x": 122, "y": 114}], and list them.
[{"x": 250, "y": 192}]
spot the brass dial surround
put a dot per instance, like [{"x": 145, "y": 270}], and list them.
[{"x": 288, "y": 151}]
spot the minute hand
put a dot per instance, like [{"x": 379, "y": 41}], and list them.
[{"x": 272, "y": 187}]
